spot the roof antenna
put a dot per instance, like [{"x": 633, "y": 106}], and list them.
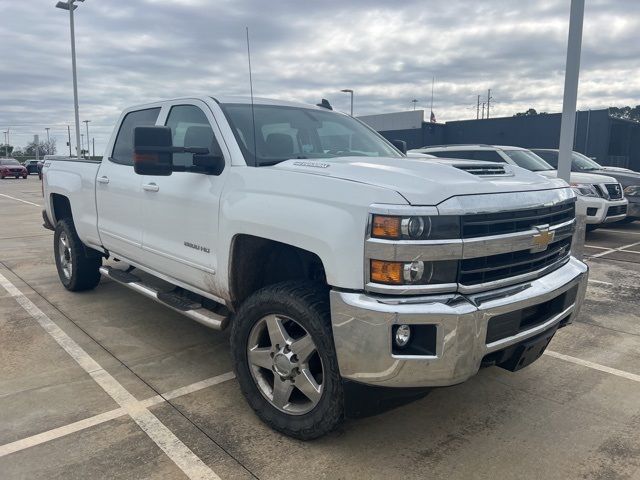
[{"x": 253, "y": 115}]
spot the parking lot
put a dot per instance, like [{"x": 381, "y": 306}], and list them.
[{"x": 107, "y": 384}]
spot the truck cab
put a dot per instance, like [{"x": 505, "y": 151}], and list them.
[{"x": 348, "y": 272}]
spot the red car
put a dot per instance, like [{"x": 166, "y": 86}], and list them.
[{"x": 10, "y": 167}]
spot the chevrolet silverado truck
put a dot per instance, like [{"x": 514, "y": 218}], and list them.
[{"x": 350, "y": 274}]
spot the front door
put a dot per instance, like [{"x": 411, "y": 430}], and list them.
[
  {"x": 181, "y": 210},
  {"x": 119, "y": 193}
]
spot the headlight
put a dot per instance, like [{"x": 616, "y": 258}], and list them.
[
  {"x": 632, "y": 190},
  {"x": 413, "y": 273},
  {"x": 415, "y": 228},
  {"x": 585, "y": 189}
]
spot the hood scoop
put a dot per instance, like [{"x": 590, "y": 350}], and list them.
[{"x": 485, "y": 170}]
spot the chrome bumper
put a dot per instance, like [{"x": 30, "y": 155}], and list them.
[{"x": 362, "y": 329}]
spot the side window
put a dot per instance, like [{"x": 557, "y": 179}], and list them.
[
  {"x": 487, "y": 156},
  {"x": 123, "y": 148},
  {"x": 190, "y": 128}
]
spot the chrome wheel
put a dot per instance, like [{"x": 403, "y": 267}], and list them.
[
  {"x": 64, "y": 254},
  {"x": 285, "y": 364}
]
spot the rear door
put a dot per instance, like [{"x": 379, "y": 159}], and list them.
[
  {"x": 119, "y": 193},
  {"x": 181, "y": 210}
]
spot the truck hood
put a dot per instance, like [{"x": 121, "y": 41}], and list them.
[
  {"x": 581, "y": 177},
  {"x": 423, "y": 181}
]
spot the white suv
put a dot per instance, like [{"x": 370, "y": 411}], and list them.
[{"x": 601, "y": 195}]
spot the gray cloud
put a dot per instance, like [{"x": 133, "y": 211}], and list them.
[{"x": 135, "y": 51}]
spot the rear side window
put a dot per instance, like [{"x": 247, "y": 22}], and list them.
[{"x": 123, "y": 149}]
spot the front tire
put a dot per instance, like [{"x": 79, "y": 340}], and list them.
[
  {"x": 285, "y": 359},
  {"x": 77, "y": 264}
]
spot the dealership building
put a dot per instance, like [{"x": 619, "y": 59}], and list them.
[{"x": 609, "y": 140}]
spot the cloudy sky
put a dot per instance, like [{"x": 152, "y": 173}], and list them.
[{"x": 134, "y": 51}]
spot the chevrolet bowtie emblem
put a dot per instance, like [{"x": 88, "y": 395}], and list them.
[{"x": 542, "y": 239}]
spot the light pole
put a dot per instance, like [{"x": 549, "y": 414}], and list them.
[
  {"x": 415, "y": 102},
  {"x": 47, "y": 129},
  {"x": 6, "y": 144},
  {"x": 86, "y": 122},
  {"x": 70, "y": 6},
  {"x": 82, "y": 143},
  {"x": 349, "y": 91}
]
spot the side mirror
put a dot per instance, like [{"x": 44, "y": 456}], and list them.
[
  {"x": 400, "y": 145},
  {"x": 152, "y": 151},
  {"x": 209, "y": 163}
]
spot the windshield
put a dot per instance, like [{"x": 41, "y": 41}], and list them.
[
  {"x": 582, "y": 163},
  {"x": 283, "y": 133},
  {"x": 528, "y": 160},
  {"x": 9, "y": 161}
]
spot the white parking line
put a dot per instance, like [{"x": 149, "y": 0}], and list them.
[
  {"x": 191, "y": 465},
  {"x": 622, "y": 231},
  {"x": 20, "y": 200},
  {"x": 65, "y": 430},
  {"x": 611, "y": 250},
  {"x": 594, "y": 366},
  {"x": 600, "y": 282}
]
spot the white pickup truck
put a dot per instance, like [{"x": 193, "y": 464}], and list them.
[{"x": 350, "y": 274}]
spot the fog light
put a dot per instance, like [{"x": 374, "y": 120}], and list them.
[{"x": 403, "y": 335}]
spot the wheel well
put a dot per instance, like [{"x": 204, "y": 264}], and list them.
[
  {"x": 61, "y": 207},
  {"x": 257, "y": 262}
]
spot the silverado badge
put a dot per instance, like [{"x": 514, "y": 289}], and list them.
[{"x": 542, "y": 239}]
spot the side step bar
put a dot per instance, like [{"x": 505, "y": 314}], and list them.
[{"x": 184, "y": 306}]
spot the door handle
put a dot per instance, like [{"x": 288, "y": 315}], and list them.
[
  {"x": 150, "y": 187},
  {"x": 102, "y": 179}
]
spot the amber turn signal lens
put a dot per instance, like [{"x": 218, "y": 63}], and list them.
[
  {"x": 389, "y": 273},
  {"x": 386, "y": 227}
]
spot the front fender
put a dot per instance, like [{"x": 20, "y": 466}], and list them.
[{"x": 323, "y": 215}]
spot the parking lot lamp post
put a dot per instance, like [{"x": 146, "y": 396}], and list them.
[
  {"x": 70, "y": 6},
  {"x": 86, "y": 122},
  {"x": 348, "y": 90}
]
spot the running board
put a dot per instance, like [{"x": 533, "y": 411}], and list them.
[{"x": 181, "y": 305}]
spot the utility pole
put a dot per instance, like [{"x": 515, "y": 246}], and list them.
[
  {"x": 478, "y": 109},
  {"x": 69, "y": 142},
  {"x": 6, "y": 144},
  {"x": 93, "y": 140},
  {"x": 483, "y": 104},
  {"x": 571, "y": 77},
  {"x": 489, "y": 97},
  {"x": 433, "y": 81},
  {"x": 86, "y": 122},
  {"x": 70, "y": 5}
]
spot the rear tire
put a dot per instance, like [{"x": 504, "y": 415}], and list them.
[
  {"x": 301, "y": 309},
  {"x": 76, "y": 263}
]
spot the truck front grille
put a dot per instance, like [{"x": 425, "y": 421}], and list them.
[
  {"x": 484, "y": 224},
  {"x": 474, "y": 271},
  {"x": 614, "y": 190}
]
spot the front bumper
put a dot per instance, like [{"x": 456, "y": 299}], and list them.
[
  {"x": 362, "y": 326},
  {"x": 598, "y": 209}
]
